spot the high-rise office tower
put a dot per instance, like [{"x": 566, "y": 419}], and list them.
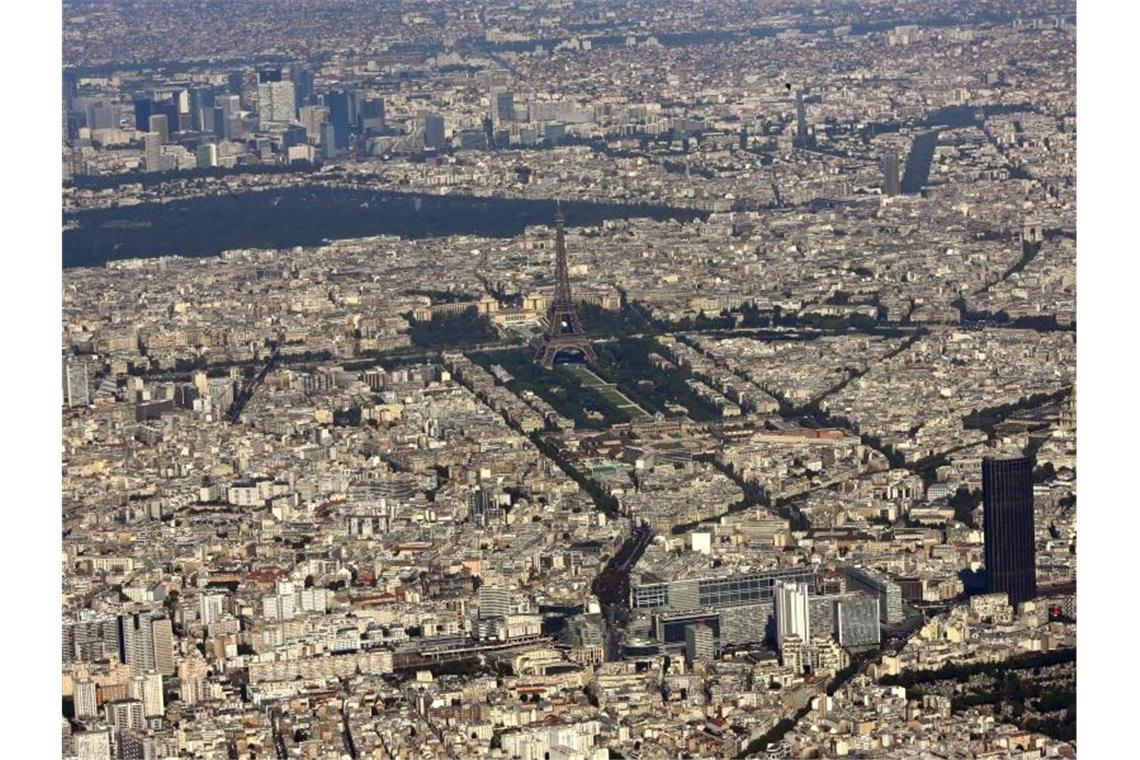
[
  {"x": 888, "y": 592},
  {"x": 70, "y": 85},
  {"x": 103, "y": 115},
  {"x": 207, "y": 155},
  {"x": 891, "y": 173},
  {"x": 152, "y": 152},
  {"x": 342, "y": 115},
  {"x": 160, "y": 125},
  {"x": 433, "y": 131},
  {"x": 228, "y": 108},
  {"x": 312, "y": 117},
  {"x": 304, "y": 85},
  {"x": 235, "y": 80},
  {"x": 792, "y": 614},
  {"x": 71, "y": 124},
  {"x": 293, "y": 136},
  {"x": 473, "y": 139},
  {"x": 214, "y": 121},
  {"x": 1007, "y": 496},
  {"x": 244, "y": 83},
  {"x": 169, "y": 123},
  {"x": 144, "y": 107},
  {"x": 822, "y": 614},
  {"x": 329, "y": 147},
  {"x": 555, "y": 132},
  {"x": 275, "y": 103},
  {"x": 201, "y": 102},
  {"x": 372, "y": 115},
  {"x": 180, "y": 118},
  {"x": 230, "y": 105}
]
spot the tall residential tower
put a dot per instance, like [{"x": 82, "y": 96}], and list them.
[{"x": 792, "y": 616}]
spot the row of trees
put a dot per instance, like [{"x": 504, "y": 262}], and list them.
[
  {"x": 602, "y": 500},
  {"x": 962, "y": 673},
  {"x": 453, "y": 330}
]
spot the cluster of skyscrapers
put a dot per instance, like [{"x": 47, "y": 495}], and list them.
[{"x": 282, "y": 100}]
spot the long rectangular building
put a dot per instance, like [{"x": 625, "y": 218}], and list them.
[{"x": 717, "y": 592}]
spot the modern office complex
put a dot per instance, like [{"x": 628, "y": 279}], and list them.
[
  {"x": 1007, "y": 493},
  {"x": 716, "y": 592},
  {"x": 739, "y": 609},
  {"x": 734, "y": 626}
]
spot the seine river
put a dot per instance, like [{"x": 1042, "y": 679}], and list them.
[{"x": 306, "y": 216}]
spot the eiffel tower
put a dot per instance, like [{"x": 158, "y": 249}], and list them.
[{"x": 563, "y": 330}]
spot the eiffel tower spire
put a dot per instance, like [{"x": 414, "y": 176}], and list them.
[{"x": 563, "y": 330}]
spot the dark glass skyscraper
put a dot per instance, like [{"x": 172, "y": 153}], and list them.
[
  {"x": 342, "y": 115},
  {"x": 144, "y": 107},
  {"x": 372, "y": 115},
  {"x": 304, "y": 85},
  {"x": 1007, "y": 492},
  {"x": 201, "y": 100}
]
